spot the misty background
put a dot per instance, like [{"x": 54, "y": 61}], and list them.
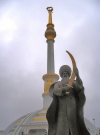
[{"x": 23, "y": 53}]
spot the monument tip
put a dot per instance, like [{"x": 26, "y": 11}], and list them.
[{"x": 50, "y": 9}]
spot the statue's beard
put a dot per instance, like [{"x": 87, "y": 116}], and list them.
[{"x": 64, "y": 81}]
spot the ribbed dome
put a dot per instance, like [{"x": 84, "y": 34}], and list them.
[
  {"x": 91, "y": 128},
  {"x": 34, "y": 120}
]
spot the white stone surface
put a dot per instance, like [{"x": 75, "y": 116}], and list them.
[
  {"x": 50, "y": 57},
  {"x": 47, "y": 101}
]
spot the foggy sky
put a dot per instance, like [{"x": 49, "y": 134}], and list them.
[{"x": 23, "y": 53}]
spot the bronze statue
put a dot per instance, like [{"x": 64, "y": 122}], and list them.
[{"x": 65, "y": 114}]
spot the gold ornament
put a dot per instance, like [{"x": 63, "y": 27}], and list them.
[{"x": 47, "y": 84}]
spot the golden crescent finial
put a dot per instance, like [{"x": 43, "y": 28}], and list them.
[{"x": 49, "y": 8}]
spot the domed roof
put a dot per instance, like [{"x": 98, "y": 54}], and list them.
[
  {"x": 36, "y": 120},
  {"x": 91, "y": 128}
]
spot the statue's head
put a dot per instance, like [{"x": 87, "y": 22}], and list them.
[{"x": 65, "y": 71}]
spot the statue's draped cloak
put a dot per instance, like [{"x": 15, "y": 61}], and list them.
[{"x": 65, "y": 114}]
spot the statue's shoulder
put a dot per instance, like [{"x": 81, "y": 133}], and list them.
[{"x": 58, "y": 83}]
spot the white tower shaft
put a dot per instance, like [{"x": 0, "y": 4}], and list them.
[{"x": 50, "y": 57}]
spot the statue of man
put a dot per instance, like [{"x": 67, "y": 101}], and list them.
[{"x": 65, "y": 114}]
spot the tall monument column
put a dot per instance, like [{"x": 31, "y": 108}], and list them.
[{"x": 50, "y": 77}]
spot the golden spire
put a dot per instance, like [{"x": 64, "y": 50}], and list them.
[
  {"x": 50, "y": 33},
  {"x": 50, "y": 9}
]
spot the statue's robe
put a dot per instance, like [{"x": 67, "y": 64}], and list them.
[{"x": 65, "y": 114}]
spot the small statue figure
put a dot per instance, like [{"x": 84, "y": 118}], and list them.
[{"x": 65, "y": 114}]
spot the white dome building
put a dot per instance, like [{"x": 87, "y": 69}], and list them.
[{"x": 35, "y": 123}]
